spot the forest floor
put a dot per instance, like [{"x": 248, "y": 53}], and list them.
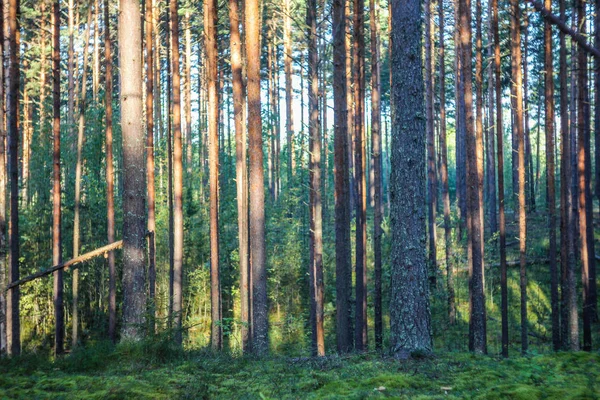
[{"x": 150, "y": 371}]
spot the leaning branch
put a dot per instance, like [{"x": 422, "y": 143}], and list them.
[
  {"x": 66, "y": 265},
  {"x": 576, "y": 37}
]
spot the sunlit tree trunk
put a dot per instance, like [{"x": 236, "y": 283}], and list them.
[
  {"x": 134, "y": 185},
  {"x": 287, "y": 62}
]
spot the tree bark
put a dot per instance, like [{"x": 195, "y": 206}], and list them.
[
  {"x": 410, "y": 318},
  {"x": 3, "y": 270},
  {"x": 177, "y": 179},
  {"x": 260, "y": 310},
  {"x": 287, "y": 62},
  {"x": 517, "y": 103},
  {"x": 343, "y": 269},
  {"x": 134, "y": 190},
  {"x": 56, "y": 188}
]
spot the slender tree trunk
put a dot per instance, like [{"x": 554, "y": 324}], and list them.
[
  {"x": 71, "y": 69},
  {"x": 491, "y": 155},
  {"x": 188, "y": 92},
  {"x": 529, "y": 175},
  {"x": 431, "y": 177},
  {"x": 3, "y": 270},
  {"x": 461, "y": 187},
  {"x": 570, "y": 327},
  {"x": 169, "y": 110},
  {"x": 474, "y": 145},
  {"x": 59, "y": 335},
  {"x": 316, "y": 268},
  {"x": 377, "y": 175},
  {"x": 110, "y": 185},
  {"x": 213, "y": 155},
  {"x": 360, "y": 175},
  {"x": 78, "y": 172},
  {"x": 134, "y": 190},
  {"x": 444, "y": 171},
  {"x": 350, "y": 105},
  {"x": 549, "y": 125},
  {"x": 586, "y": 233},
  {"x": 409, "y": 303},
  {"x": 343, "y": 269},
  {"x": 287, "y": 62},
  {"x": 241, "y": 172},
  {"x": 260, "y": 323},
  {"x": 150, "y": 191},
  {"x": 517, "y": 103},
  {"x": 177, "y": 179},
  {"x": 96, "y": 74},
  {"x": 13, "y": 324}
]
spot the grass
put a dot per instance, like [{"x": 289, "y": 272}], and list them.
[{"x": 150, "y": 371}]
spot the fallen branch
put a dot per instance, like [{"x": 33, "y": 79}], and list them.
[
  {"x": 67, "y": 264},
  {"x": 554, "y": 20}
]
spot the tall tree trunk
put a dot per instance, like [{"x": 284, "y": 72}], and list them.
[
  {"x": 59, "y": 335},
  {"x": 474, "y": 145},
  {"x": 177, "y": 178},
  {"x": 350, "y": 105},
  {"x": 150, "y": 190},
  {"x": 188, "y": 92},
  {"x": 316, "y": 268},
  {"x": 517, "y": 103},
  {"x": 260, "y": 323},
  {"x": 377, "y": 181},
  {"x": 3, "y": 271},
  {"x": 213, "y": 155},
  {"x": 444, "y": 172},
  {"x": 96, "y": 67},
  {"x": 461, "y": 187},
  {"x": 343, "y": 269},
  {"x": 586, "y": 230},
  {"x": 110, "y": 184},
  {"x": 360, "y": 176},
  {"x": 241, "y": 172},
  {"x": 549, "y": 125},
  {"x": 409, "y": 303},
  {"x": 169, "y": 110},
  {"x": 287, "y": 67},
  {"x": 529, "y": 175},
  {"x": 570, "y": 327},
  {"x": 134, "y": 190},
  {"x": 431, "y": 177},
  {"x": 78, "y": 172},
  {"x": 71, "y": 69},
  {"x": 13, "y": 324},
  {"x": 491, "y": 139}
]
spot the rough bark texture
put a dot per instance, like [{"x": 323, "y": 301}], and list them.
[
  {"x": 241, "y": 170},
  {"x": 3, "y": 270},
  {"x": 343, "y": 279},
  {"x": 213, "y": 156},
  {"x": 134, "y": 179},
  {"x": 56, "y": 189},
  {"x": 410, "y": 318},
  {"x": 260, "y": 308}
]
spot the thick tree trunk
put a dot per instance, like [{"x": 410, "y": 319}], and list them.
[
  {"x": 517, "y": 103},
  {"x": 3, "y": 270},
  {"x": 316, "y": 268},
  {"x": 59, "y": 335},
  {"x": 260, "y": 310},
  {"x": 343, "y": 269},
  {"x": 410, "y": 318},
  {"x": 134, "y": 188},
  {"x": 110, "y": 185}
]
